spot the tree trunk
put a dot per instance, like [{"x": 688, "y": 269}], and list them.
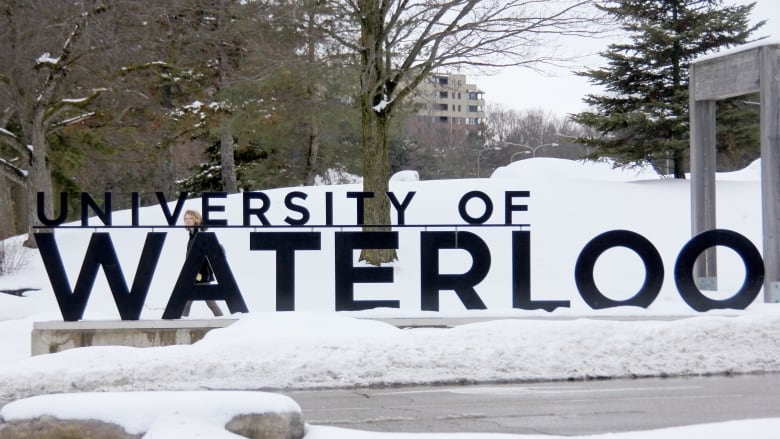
[
  {"x": 38, "y": 179},
  {"x": 374, "y": 126},
  {"x": 19, "y": 200},
  {"x": 311, "y": 90},
  {"x": 6, "y": 208},
  {"x": 169, "y": 167},
  {"x": 227, "y": 161},
  {"x": 376, "y": 176},
  {"x": 679, "y": 164},
  {"x": 314, "y": 150}
]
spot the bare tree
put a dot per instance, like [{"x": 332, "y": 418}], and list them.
[
  {"x": 501, "y": 123},
  {"x": 522, "y": 134},
  {"x": 539, "y": 127},
  {"x": 398, "y": 43},
  {"x": 42, "y": 88}
]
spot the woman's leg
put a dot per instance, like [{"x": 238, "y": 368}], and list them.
[
  {"x": 212, "y": 304},
  {"x": 187, "y": 307}
]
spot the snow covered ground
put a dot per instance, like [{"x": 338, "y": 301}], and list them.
[{"x": 570, "y": 204}]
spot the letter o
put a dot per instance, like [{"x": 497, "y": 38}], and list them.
[
  {"x": 683, "y": 270},
  {"x": 466, "y": 198},
  {"x": 654, "y": 269}
]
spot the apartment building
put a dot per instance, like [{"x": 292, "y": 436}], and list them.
[
  {"x": 450, "y": 99},
  {"x": 450, "y": 111}
]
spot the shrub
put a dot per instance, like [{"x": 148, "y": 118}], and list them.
[{"x": 12, "y": 257}]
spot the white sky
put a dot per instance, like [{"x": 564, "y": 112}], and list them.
[
  {"x": 315, "y": 347},
  {"x": 561, "y": 91}
]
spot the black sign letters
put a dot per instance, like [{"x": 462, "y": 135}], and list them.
[{"x": 434, "y": 281}]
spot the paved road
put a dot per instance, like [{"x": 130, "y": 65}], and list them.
[{"x": 561, "y": 408}]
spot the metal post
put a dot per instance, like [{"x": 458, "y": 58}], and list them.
[
  {"x": 532, "y": 148},
  {"x": 479, "y": 156}
]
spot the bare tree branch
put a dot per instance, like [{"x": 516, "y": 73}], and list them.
[
  {"x": 399, "y": 43},
  {"x": 56, "y": 109},
  {"x": 57, "y": 67},
  {"x": 13, "y": 173},
  {"x": 8, "y": 138}
]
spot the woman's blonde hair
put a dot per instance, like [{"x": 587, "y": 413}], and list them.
[{"x": 196, "y": 216}]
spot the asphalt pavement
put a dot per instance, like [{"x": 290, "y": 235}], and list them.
[{"x": 556, "y": 408}]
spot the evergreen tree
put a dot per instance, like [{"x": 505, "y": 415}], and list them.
[
  {"x": 738, "y": 142},
  {"x": 643, "y": 117}
]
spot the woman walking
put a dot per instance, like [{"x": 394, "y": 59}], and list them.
[{"x": 193, "y": 221}]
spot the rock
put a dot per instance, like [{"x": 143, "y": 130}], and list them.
[
  {"x": 129, "y": 415},
  {"x": 49, "y": 427},
  {"x": 268, "y": 425}
]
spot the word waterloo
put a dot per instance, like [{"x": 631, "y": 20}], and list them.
[{"x": 100, "y": 253}]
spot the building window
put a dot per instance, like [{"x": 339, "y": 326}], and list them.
[
  {"x": 441, "y": 119},
  {"x": 473, "y": 108},
  {"x": 443, "y": 95},
  {"x": 442, "y": 80},
  {"x": 442, "y": 107},
  {"x": 472, "y": 120},
  {"x": 473, "y": 95}
]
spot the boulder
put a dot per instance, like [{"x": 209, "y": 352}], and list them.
[{"x": 129, "y": 415}]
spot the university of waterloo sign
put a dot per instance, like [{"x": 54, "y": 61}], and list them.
[{"x": 297, "y": 233}]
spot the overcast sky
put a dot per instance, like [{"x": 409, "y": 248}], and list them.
[{"x": 561, "y": 92}]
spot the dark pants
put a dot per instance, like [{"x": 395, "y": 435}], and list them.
[{"x": 212, "y": 304}]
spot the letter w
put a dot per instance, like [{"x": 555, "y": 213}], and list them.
[{"x": 100, "y": 253}]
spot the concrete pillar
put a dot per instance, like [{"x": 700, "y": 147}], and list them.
[
  {"x": 702, "y": 155},
  {"x": 770, "y": 167}
]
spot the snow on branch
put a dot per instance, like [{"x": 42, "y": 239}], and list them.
[
  {"x": 76, "y": 119},
  {"x": 74, "y": 100},
  {"x": 5, "y": 132},
  {"x": 382, "y": 105},
  {"x": 154, "y": 64},
  {"x": 10, "y": 139},
  {"x": 12, "y": 172},
  {"x": 57, "y": 67},
  {"x": 46, "y": 59},
  {"x": 65, "y": 103}
]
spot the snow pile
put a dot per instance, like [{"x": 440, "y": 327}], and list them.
[
  {"x": 556, "y": 169},
  {"x": 307, "y": 350},
  {"x": 405, "y": 176}
]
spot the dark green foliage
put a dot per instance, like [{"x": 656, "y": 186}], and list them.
[
  {"x": 643, "y": 116},
  {"x": 208, "y": 176},
  {"x": 738, "y": 129},
  {"x": 270, "y": 127}
]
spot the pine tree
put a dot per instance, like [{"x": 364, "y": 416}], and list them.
[{"x": 643, "y": 116}]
